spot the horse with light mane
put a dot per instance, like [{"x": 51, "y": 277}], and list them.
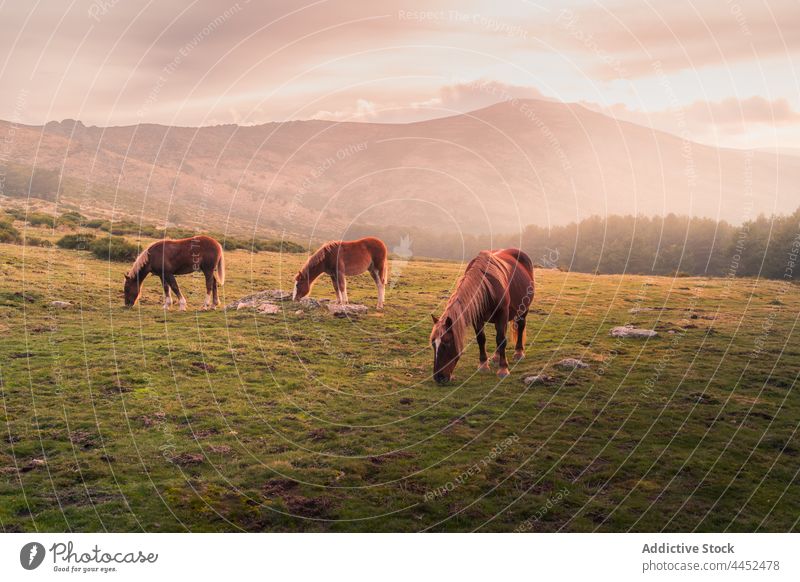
[
  {"x": 167, "y": 258},
  {"x": 497, "y": 287},
  {"x": 341, "y": 259}
]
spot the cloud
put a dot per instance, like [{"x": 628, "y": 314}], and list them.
[
  {"x": 627, "y": 39},
  {"x": 701, "y": 120}
]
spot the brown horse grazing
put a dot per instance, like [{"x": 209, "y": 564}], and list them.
[
  {"x": 167, "y": 258},
  {"x": 497, "y": 287},
  {"x": 341, "y": 259}
]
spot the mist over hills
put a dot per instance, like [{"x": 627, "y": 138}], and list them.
[{"x": 494, "y": 170}]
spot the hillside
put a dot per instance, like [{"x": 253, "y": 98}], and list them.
[{"x": 494, "y": 170}]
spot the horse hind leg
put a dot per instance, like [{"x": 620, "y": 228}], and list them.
[
  {"x": 500, "y": 354},
  {"x": 214, "y": 292},
  {"x": 377, "y": 276},
  {"x": 519, "y": 336},
  {"x": 210, "y": 290}
]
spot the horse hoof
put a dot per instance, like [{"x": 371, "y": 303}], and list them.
[
  {"x": 519, "y": 355},
  {"x": 502, "y": 372},
  {"x": 484, "y": 367}
]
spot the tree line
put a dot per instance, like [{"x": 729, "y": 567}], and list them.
[{"x": 670, "y": 245}]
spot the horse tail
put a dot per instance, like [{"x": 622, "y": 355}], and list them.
[
  {"x": 515, "y": 333},
  {"x": 219, "y": 272},
  {"x": 385, "y": 274}
]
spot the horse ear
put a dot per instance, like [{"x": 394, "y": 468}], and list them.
[
  {"x": 435, "y": 319},
  {"x": 448, "y": 323}
]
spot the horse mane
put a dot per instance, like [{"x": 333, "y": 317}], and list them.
[
  {"x": 472, "y": 295},
  {"x": 319, "y": 255},
  {"x": 140, "y": 261}
]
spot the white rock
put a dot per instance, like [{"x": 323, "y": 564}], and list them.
[
  {"x": 340, "y": 310},
  {"x": 630, "y": 331},
  {"x": 537, "y": 379},
  {"x": 268, "y": 308},
  {"x": 61, "y": 304},
  {"x": 571, "y": 364}
]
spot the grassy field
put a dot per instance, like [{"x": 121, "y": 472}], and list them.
[{"x": 129, "y": 420}]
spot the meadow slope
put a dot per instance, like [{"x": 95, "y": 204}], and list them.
[{"x": 129, "y": 420}]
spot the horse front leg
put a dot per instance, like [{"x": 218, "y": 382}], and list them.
[
  {"x": 167, "y": 298},
  {"x": 173, "y": 284},
  {"x": 483, "y": 366},
  {"x": 343, "y": 288},
  {"x": 336, "y": 288},
  {"x": 500, "y": 353}
]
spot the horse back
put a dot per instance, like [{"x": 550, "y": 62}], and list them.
[
  {"x": 185, "y": 255},
  {"x": 358, "y": 255},
  {"x": 520, "y": 279}
]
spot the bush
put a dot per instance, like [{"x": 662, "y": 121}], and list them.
[
  {"x": 35, "y": 241},
  {"x": 278, "y": 246},
  {"x": 75, "y": 241},
  {"x": 114, "y": 248},
  {"x": 98, "y": 223},
  {"x": 40, "y": 219},
  {"x": 8, "y": 234},
  {"x": 71, "y": 219}
]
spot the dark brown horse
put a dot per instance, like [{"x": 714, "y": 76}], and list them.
[
  {"x": 497, "y": 287},
  {"x": 341, "y": 259},
  {"x": 167, "y": 258}
]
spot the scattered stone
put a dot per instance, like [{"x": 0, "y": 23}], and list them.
[
  {"x": 311, "y": 303},
  {"x": 219, "y": 449},
  {"x": 406, "y": 401},
  {"x": 61, "y": 304},
  {"x": 571, "y": 364},
  {"x": 537, "y": 379},
  {"x": 255, "y": 300},
  {"x": 347, "y": 310},
  {"x": 630, "y": 331},
  {"x": 268, "y": 308}
]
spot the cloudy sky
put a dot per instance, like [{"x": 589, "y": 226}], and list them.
[{"x": 717, "y": 71}]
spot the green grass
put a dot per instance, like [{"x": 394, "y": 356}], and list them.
[{"x": 128, "y": 420}]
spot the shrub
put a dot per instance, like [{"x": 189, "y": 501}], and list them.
[
  {"x": 114, "y": 248},
  {"x": 75, "y": 241},
  {"x": 8, "y": 234},
  {"x": 40, "y": 219},
  {"x": 35, "y": 241},
  {"x": 97, "y": 223},
  {"x": 71, "y": 219}
]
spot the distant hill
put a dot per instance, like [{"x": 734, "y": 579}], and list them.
[{"x": 493, "y": 170}]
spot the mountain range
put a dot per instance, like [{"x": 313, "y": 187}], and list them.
[{"x": 494, "y": 170}]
